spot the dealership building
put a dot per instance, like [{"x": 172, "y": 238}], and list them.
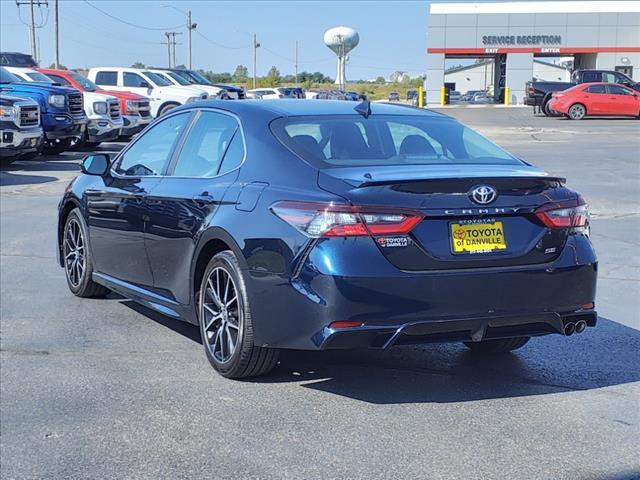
[{"x": 512, "y": 35}]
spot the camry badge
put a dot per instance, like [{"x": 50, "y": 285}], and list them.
[{"x": 483, "y": 194}]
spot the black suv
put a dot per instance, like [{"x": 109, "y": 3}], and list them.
[{"x": 16, "y": 59}]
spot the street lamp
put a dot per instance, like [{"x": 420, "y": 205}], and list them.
[{"x": 190, "y": 26}]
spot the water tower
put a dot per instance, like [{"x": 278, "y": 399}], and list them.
[{"x": 341, "y": 40}]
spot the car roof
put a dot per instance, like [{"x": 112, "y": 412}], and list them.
[
  {"x": 600, "y": 83},
  {"x": 299, "y": 107}
]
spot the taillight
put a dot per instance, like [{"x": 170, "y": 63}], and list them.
[
  {"x": 572, "y": 214},
  {"x": 330, "y": 220}
]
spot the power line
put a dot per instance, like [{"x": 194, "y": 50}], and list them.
[
  {"x": 126, "y": 22},
  {"x": 218, "y": 44}
]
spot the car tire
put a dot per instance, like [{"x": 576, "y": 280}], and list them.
[
  {"x": 501, "y": 345},
  {"x": 548, "y": 111},
  {"x": 56, "y": 147},
  {"x": 167, "y": 107},
  {"x": 77, "y": 258},
  {"x": 577, "y": 111},
  {"x": 224, "y": 315}
]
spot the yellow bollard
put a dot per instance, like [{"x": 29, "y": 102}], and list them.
[
  {"x": 420, "y": 97},
  {"x": 506, "y": 96},
  {"x": 443, "y": 96}
]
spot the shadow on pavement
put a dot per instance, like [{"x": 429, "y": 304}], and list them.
[
  {"x": 604, "y": 356},
  {"x": 183, "y": 328},
  {"x": 9, "y": 179}
]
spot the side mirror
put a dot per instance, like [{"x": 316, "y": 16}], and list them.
[
  {"x": 98, "y": 164},
  {"x": 145, "y": 85}
]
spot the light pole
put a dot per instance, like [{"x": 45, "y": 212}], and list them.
[
  {"x": 256, "y": 45},
  {"x": 190, "y": 26}
]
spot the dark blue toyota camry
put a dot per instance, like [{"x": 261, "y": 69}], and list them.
[{"x": 318, "y": 225}]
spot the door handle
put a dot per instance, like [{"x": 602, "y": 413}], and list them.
[{"x": 204, "y": 199}]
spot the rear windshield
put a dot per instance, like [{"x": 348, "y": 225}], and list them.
[{"x": 352, "y": 140}]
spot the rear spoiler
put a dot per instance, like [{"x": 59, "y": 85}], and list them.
[{"x": 377, "y": 183}]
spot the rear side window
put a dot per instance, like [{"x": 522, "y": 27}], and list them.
[
  {"x": 133, "y": 80},
  {"x": 351, "y": 140},
  {"x": 596, "y": 89},
  {"x": 588, "y": 77},
  {"x": 206, "y": 145},
  {"x": 150, "y": 153},
  {"x": 107, "y": 78}
]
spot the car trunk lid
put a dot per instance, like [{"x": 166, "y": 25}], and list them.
[{"x": 503, "y": 231}]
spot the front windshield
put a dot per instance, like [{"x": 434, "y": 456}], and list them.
[
  {"x": 87, "y": 84},
  {"x": 352, "y": 140},
  {"x": 157, "y": 79},
  {"x": 8, "y": 77},
  {"x": 178, "y": 78},
  {"x": 38, "y": 77}
]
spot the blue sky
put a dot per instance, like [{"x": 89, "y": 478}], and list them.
[{"x": 392, "y": 34}]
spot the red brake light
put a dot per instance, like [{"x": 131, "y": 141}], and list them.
[
  {"x": 572, "y": 214},
  {"x": 329, "y": 220},
  {"x": 345, "y": 324}
]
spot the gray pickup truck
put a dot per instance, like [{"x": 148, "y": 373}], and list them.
[{"x": 20, "y": 131}]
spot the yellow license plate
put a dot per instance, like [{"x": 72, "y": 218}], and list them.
[{"x": 477, "y": 237}]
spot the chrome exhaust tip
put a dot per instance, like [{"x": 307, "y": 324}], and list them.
[
  {"x": 581, "y": 326},
  {"x": 569, "y": 328}
]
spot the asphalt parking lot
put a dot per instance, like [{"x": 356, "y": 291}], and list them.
[{"x": 107, "y": 389}]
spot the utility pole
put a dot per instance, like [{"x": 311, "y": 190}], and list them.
[
  {"x": 256, "y": 45},
  {"x": 32, "y": 4},
  {"x": 57, "y": 34},
  {"x": 190, "y": 26},
  {"x": 296, "y": 62},
  {"x": 168, "y": 44},
  {"x": 171, "y": 47}
]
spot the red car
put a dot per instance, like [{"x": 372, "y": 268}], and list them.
[
  {"x": 587, "y": 99},
  {"x": 136, "y": 112}
]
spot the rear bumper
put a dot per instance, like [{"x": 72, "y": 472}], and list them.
[
  {"x": 454, "y": 330},
  {"x": 531, "y": 101},
  {"x": 358, "y": 284}
]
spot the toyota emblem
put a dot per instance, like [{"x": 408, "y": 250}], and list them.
[{"x": 483, "y": 194}]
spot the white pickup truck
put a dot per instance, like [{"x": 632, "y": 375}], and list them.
[
  {"x": 163, "y": 95},
  {"x": 178, "y": 80},
  {"x": 103, "y": 111}
]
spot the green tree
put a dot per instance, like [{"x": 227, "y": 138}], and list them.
[
  {"x": 60, "y": 67},
  {"x": 273, "y": 77},
  {"x": 380, "y": 79},
  {"x": 241, "y": 74},
  {"x": 138, "y": 65}
]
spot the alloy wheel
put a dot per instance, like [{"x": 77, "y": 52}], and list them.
[
  {"x": 576, "y": 112},
  {"x": 74, "y": 253},
  {"x": 220, "y": 314}
]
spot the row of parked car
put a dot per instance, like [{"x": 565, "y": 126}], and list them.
[
  {"x": 268, "y": 93},
  {"x": 49, "y": 111},
  {"x": 590, "y": 93}
]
